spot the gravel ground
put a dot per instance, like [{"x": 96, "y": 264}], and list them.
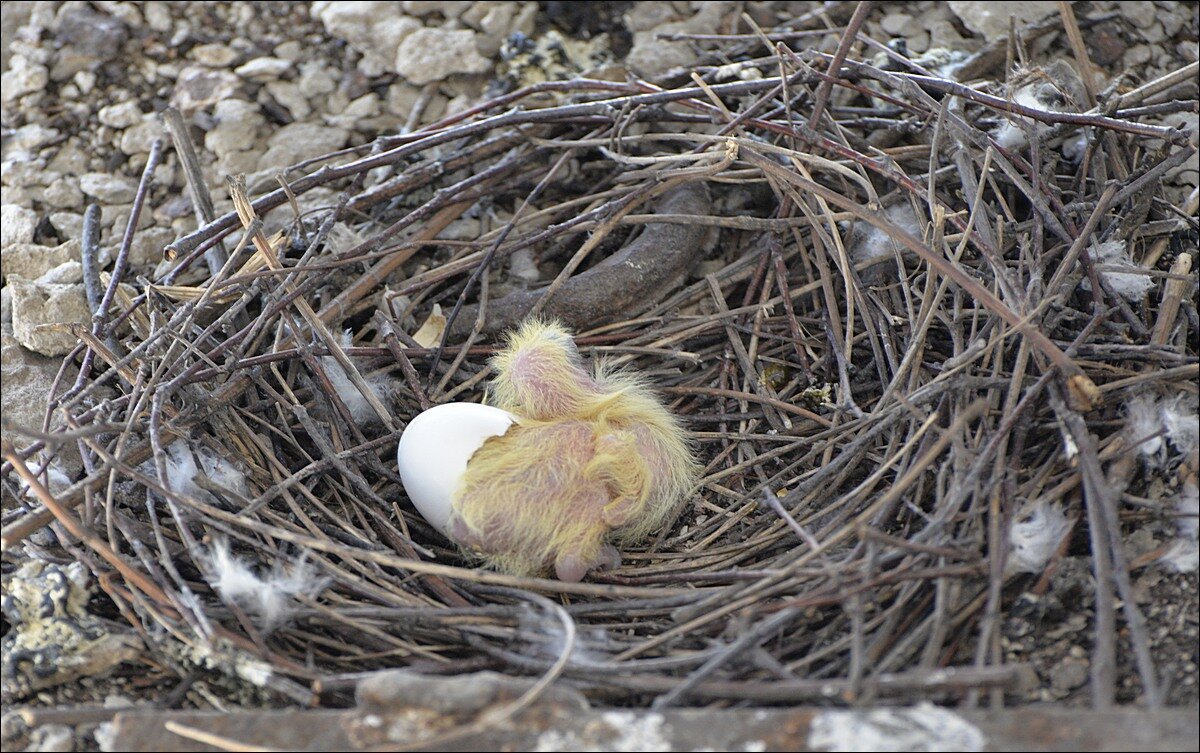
[{"x": 266, "y": 85}]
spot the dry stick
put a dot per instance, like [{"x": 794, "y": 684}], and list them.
[
  {"x": 246, "y": 212},
  {"x": 622, "y": 282},
  {"x": 1176, "y": 289},
  {"x": 1110, "y": 566},
  {"x": 1079, "y": 49},
  {"x": 835, "y": 65},
  {"x": 1082, "y": 390},
  {"x": 90, "y": 255},
  {"x": 485, "y": 264},
  {"x": 121, "y": 265},
  {"x": 1173, "y": 135},
  {"x": 753, "y": 637},
  {"x": 132, "y": 576},
  {"x": 202, "y": 202},
  {"x": 603, "y": 108}
]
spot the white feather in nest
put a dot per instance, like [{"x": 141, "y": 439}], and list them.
[
  {"x": 1184, "y": 554},
  {"x": 270, "y": 599},
  {"x": 1034, "y": 535},
  {"x": 353, "y": 398},
  {"x": 1156, "y": 427},
  {"x": 1131, "y": 285},
  {"x": 56, "y": 481},
  {"x": 868, "y": 242},
  {"x": 186, "y": 463},
  {"x": 1011, "y": 133}
]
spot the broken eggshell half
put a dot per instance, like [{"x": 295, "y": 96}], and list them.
[{"x": 434, "y": 450}]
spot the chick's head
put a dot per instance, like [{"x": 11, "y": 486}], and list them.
[{"x": 540, "y": 374}]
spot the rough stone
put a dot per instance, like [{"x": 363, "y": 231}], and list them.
[
  {"x": 23, "y": 77},
  {"x": 98, "y": 35},
  {"x": 140, "y": 138},
  {"x": 67, "y": 273},
  {"x": 111, "y": 189},
  {"x": 63, "y": 193},
  {"x": 451, "y": 9},
  {"x": 433, "y": 54},
  {"x": 496, "y": 25},
  {"x": 41, "y": 311},
  {"x": 264, "y": 69},
  {"x": 198, "y": 88},
  {"x": 1142, "y": 15},
  {"x": 15, "y": 16},
  {"x": 27, "y": 379},
  {"x": 16, "y": 225},
  {"x": 236, "y": 129},
  {"x": 300, "y": 141},
  {"x": 375, "y": 29},
  {"x": 213, "y": 55},
  {"x": 120, "y": 115},
  {"x": 896, "y": 24},
  {"x": 67, "y": 224},
  {"x": 990, "y": 20},
  {"x": 363, "y": 108},
  {"x": 148, "y": 244},
  {"x": 30, "y": 138},
  {"x": 288, "y": 95},
  {"x": 316, "y": 79},
  {"x": 651, "y": 57},
  {"x": 31, "y": 261}
]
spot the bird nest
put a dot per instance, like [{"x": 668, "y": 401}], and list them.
[{"x": 898, "y": 315}]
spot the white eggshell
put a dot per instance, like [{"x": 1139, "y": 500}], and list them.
[{"x": 434, "y": 451}]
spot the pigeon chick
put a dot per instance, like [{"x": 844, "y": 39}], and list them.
[{"x": 592, "y": 458}]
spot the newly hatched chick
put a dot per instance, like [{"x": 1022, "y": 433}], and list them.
[{"x": 592, "y": 456}]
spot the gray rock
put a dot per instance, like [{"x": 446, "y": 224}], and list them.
[
  {"x": 63, "y": 193},
  {"x": 120, "y": 115},
  {"x": 496, "y": 25},
  {"x": 30, "y": 138},
  {"x": 140, "y": 138},
  {"x": 67, "y": 273},
  {"x": 14, "y": 17},
  {"x": 288, "y": 94},
  {"x": 433, "y": 54},
  {"x": 213, "y": 55},
  {"x": 98, "y": 35},
  {"x": 236, "y": 129},
  {"x": 27, "y": 379},
  {"x": 67, "y": 224},
  {"x": 198, "y": 88},
  {"x": 42, "y": 313},
  {"x": 375, "y": 29},
  {"x": 651, "y": 57},
  {"x": 451, "y": 9},
  {"x": 108, "y": 188},
  {"x": 990, "y": 20},
  {"x": 264, "y": 69},
  {"x": 300, "y": 141},
  {"x": 316, "y": 79},
  {"x": 23, "y": 77},
  {"x": 31, "y": 261},
  {"x": 148, "y": 244},
  {"x": 19, "y": 173},
  {"x": 16, "y": 225},
  {"x": 1142, "y": 15},
  {"x": 897, "y": 24}
]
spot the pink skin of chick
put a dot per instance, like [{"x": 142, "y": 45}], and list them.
[{"x": 592, "y": 457}]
